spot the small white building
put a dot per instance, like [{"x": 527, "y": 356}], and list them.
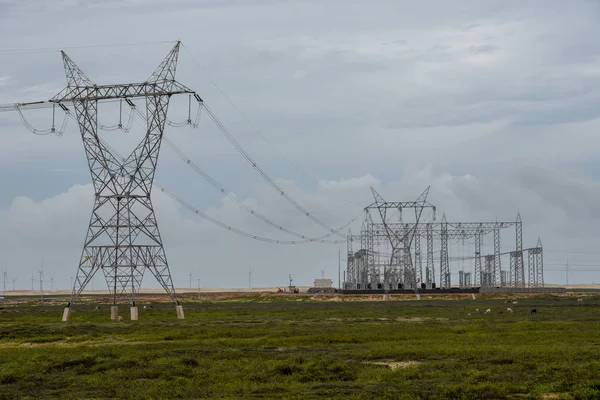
[{"x": 323, "y": 283}]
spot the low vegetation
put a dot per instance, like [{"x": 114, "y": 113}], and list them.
[{"x": 301, "y": 347}]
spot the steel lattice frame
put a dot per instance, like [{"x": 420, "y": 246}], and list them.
[
  {"x": 478, "y": 272},
  {"x": 519, "y": 267},
  {"x": 445, "y": 281},
  {"x": 123, "y": 239},
  {"x": 488, "y": 276},
  {"x": 513, "y": 267},
  {"x": 418, "y": 261},
  {"x": 350, "y": 278},
  {"x": 539, "y": 279},
  {"x": 430, "y": 274},
  {"x": 497, "y": 261},
  {"x": 536, "y": 265}
]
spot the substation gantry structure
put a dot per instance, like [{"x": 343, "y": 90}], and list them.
[
  {"x": 389, "y": 257},
  {"x": 123, "y": 240}
]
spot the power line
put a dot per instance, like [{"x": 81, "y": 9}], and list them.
[
  {"x": 232, "y": 196},
  {"x": 256, "y": 130},
  {"x": 235, "y": 230},
  {"x": 243, "y": 233},
  {"x": 4, "y": 52},
  {"x": 265, "y": 176}
]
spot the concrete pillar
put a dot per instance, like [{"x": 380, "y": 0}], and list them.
[
  {"x": 66, "y": 314},
  {"x": 179, "y": 312},
  {"x": 134, "y": 313},
  {"x": 418, "y": 296},
  {"x": 473, "y": 296},
  {"x": 385, "y": 297},
  {"x": 114, "y": 312}
]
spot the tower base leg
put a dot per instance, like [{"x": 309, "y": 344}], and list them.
[
  {"x": 179, "y": 310},
  {"x": 134, "y": 313},
  {"x": 114, "y": 312},
  {"x": 66, "y": 314}
]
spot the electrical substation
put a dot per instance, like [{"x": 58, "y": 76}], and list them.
[{"x": 388, "y": 256}]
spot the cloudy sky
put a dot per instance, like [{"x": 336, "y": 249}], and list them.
[{"x": 494, "y": 104}]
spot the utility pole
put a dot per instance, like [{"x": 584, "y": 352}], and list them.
[
  {"x": 4, "y": 278},
  {"x": 198, "y": 285},
  {"x": 14, "y": 279},
  {"x": 567, "y": 272},
  {"x": 190, "y": 280},
  {"x": 52, "y": 282},
  {"x": 250, "y": 271},
  {"x": 290, "y": 277},
  {"x": 32, "y": 279},
  {"x": 339, "y": 267},
  {"x": 41, "y": 272},
  {"x": 71, "y": 282}
]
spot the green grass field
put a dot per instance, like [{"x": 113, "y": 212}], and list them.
[{"x": 298, "y": 347}]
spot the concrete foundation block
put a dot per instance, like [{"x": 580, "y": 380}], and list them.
[
  {"x": 418, "y": 297},
  {"x": 473, "y": 296},
  {"x": 179, "y": 310},
  {"x": 114, "y": 312},
  {"x": 134, "y": 313},
  {"x": 386, "y": 297},
  {"x": 66, "y": 314}
]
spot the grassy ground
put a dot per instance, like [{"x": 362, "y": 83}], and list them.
[{"x": 302, "y": 347}]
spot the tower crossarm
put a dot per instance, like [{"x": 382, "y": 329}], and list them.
[
  {"x": 120, "y": 91},
  {"x": 400, "y": 204},
  {"x": 460, "y": 230}
]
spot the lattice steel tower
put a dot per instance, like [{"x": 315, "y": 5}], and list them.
[{"x": 123, "y": 239}]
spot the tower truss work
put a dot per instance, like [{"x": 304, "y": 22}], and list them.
[{"x": 123, "y": 240}]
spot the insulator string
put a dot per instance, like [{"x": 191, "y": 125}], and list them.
[{"x": 49, "y": 131}]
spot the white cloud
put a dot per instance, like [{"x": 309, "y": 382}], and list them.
[{"x": 550, "y": 203}]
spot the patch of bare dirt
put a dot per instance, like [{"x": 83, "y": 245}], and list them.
[
  {"x": 57, "y": 344},
  {"x": 551, "y": 395},
  {"x": 415, "y": 319},
  {"x": 395, "y": 364}
]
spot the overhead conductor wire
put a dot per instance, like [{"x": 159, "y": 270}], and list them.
[
  {"x": 254, "y": 128},
  {"x": 223, "y": 225},
  {"x": 241, "y": 204}
]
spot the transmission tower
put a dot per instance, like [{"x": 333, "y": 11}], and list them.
[
  {"x": 401, "y": 266},
  {"x": 123, "y": 239}
]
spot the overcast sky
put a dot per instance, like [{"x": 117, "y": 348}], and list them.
[{"x": 495, "y": 104}]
